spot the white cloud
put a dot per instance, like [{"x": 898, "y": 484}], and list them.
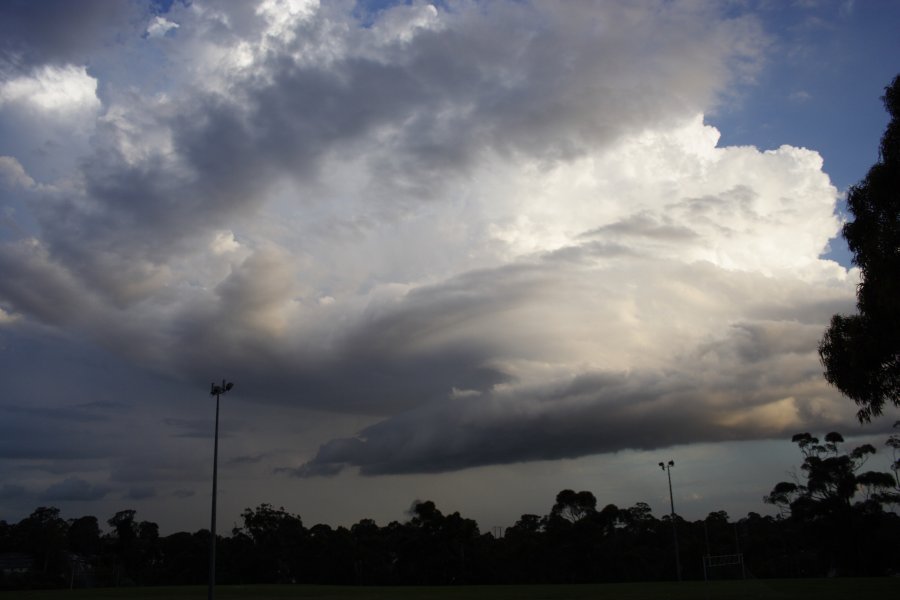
[
  {"x": 160, "y": 26},
  {"x": 53, "y": 89},
  {"x": 6, "y": 318},
  {"x": 13, "y": 173},
  {"x": 283, "y": 16},
  {"x": 401, "y": 22},
  {"x": 224, "y": 242},
  {"x": 47, "y": 117}
]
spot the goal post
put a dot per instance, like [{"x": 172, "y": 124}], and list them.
[{"x": 722, "y": 560}]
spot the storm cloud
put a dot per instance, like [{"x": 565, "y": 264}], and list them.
[{"x": 479, "y": 233}]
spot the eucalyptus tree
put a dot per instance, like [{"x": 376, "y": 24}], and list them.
[{"x": 861, "y": 352}]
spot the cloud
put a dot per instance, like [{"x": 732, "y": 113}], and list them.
[
  {"x": 53, "y": 90},
  {"x": 75, "y": 30},
  {"x": 6, "y": 318},
  {"x": 10, "y": 491},
  {"x": 68, "y": 414},
  {"x": 503, "y": 232},
  {"x": 247, "y": 460},
  {"x": 165, "y": 466},
  {"x": 47, "y": 116},
  {"x": 36, "y": 285},
  {"x": 190, "y": 428},
  {"x": 591, "y": 382},
  {"x": 61, "y": 433},
  {"x": 140, "y": 493},
  {"x": 160, "y": 26},
  {"x": 75, "y": 489},
  {"x": 14, "y": 174},
  {"x": 222, "y": 152}
]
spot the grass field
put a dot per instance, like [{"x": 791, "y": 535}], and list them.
[{"x": 801, "y": 589}]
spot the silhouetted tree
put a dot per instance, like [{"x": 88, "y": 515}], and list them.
[
  {"x": 861, "y": 353},
  {"x": 523, "y": 547},
  {"x": 185, "y": 558},
  {"x": 833, "y": 522},
  {"x": 831, "y": 476},
  {"x": 892, "y": 496},
  {"x": 124, "y": 548},
  {"x": 573, "y": 533},
  {"x": 148, "y": 552},
  {"x": 371, "y": 554},
  {"x": 573, "y": 506},
  {"x": 824, "y": 517},
  {"x": 329, "y": 555},
  {"x": 84, "y": 536},
  {"x": 278, "y": 539},
  {"x": 432, "y": 549},
  {"x": 43, "y": 534},
  {"x": 7, "y": 543}
]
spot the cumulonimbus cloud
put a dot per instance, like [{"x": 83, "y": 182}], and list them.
[{"x": 503, "y": 230}]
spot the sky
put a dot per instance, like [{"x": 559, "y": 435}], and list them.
[{"x": 468, "y": 252}]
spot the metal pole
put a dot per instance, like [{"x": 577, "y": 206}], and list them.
[
  {"x": 216, "y": 391},
  {"x": 671, "y": 497},
  {"x": 212, "y": 526},
  {"x": 668, "y": 470}
]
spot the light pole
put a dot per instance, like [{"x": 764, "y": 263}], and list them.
[
  {"x": 215, "y": 390},
  {"x": 667, "y": 467}
]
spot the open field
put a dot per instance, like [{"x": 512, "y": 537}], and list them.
[{"x": 812, "y": 589}]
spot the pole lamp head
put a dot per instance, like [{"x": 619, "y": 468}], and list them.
[
  {"x": 662, "y": 466},
  {"x": 216, "y": 390},
  {"x": 671, "y": 463}
]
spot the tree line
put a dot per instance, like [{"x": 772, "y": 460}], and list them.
[{"x": 834, "y": 519}]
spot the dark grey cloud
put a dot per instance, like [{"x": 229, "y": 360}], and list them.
[
  {"x": 191, "y": 428},
  {"x": 140, "y": 493},
  {"x": 34, "y": 285},
  {"x": 759, "y": 379},
  {"x": 75, "y": 489},
  {"x": 110, "y": 406},
  {"x": 58, "y": 31},
  {"x": 387, "y": 355},
  {"x": 163, "y": 465},
  {"x": 592, "y": 414},
  {"x": 11, "y": 491},
  {"x": 32, "y": 436},
  {"x": 21, "y": 469},
  {"x": 360, "y": 380},
  {"x": 251, "y": 459},
  {"x": 66, "y": 413},
  {"x": 52, "y": 405}
]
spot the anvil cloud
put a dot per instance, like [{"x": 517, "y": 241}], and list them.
[{"x": 488, "y": 233}]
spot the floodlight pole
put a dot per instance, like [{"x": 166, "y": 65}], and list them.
[
  {"x": 667, "y": 467},
  {"x": 215, "y": 390}
]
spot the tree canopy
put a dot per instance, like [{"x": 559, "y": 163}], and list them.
[
  {"x": 861, "y": 353},
  {"x": 833, "y": 522},
  {"x": 835, "y": 508}
]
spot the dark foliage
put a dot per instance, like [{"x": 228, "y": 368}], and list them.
[
  {"x": 833, "y": 522},
  {"x": 834, "y": 516},
  {"x": 861, "y": 353}
]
